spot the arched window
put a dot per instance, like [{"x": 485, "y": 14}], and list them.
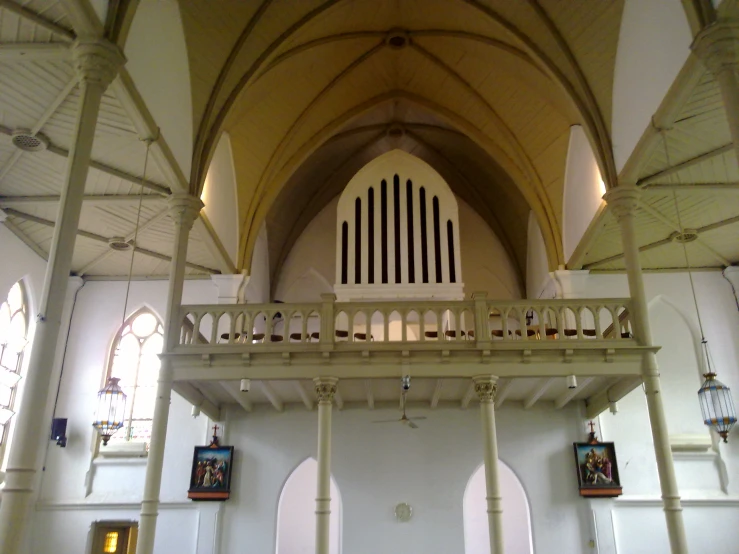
[
  {"x": 134, "y": 360},
  {"x": 516, "y": 515},
  {"x": 296, "y": 518},
  {"x": 13, "y": 336}
]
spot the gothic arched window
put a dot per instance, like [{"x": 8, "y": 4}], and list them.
[
  {"x": 13, "y": 336},
  {"x": 135, "y": 361}
]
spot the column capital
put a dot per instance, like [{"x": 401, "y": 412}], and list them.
[
  {"x": 96, "y": 60},
  {"x": 623, "y": 200},
  {"x": 184, "y": 209},
  {"x": 486, "y": 387},
  {"x": 325, "y": 388},
  {"x": 717, "y": 45},
  {"x": 229, "y": 286}
]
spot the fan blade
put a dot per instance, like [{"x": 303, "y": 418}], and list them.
[
  {"x": 417, "y": 418},
  {"x": 387, "y": 421},
  {"x": 412, "y": 425}
]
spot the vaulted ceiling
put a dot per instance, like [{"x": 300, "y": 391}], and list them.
[{"x": 483, "y": 91}]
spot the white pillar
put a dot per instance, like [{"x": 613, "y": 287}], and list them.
[
  {"x": 184, "y": 210},
  {"x": 96, "y": 63},
  {"x": 486, "y": 386},
  {"x": 624, "y": 201},
  {"x": 718, "y": 46},
  {"x": 325, "y": 391}
]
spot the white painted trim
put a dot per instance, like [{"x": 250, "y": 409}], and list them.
[
  {"x": 651, "y": 501},
  {"x": 96, "y": 506}
]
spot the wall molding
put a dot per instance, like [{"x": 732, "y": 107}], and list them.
[
  {"x": 651, "y": 501},
  {"x": 83, "y": 506}
]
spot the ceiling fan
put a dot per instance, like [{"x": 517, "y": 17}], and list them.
[{"x": 404, "y": 419}]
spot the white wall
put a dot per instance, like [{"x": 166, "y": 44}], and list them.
[
  {"x": 220, "y": 197},
  {"x": 378, "y": 466},
  {"x": 583, "y": 190},
  {"x": 157, "y": 40},
  {"x": 653, "y": 44}
]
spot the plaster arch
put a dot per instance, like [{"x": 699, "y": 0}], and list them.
[
  {"x": 295, "y": 527},
  {"x": 518, "y": 537},
  {"x": 527, "y": 181},
  {"x": 156, "y": 39}
]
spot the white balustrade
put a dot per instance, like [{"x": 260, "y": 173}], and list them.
[{"x": 440, "y": 324}]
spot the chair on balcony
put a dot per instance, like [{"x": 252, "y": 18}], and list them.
[
  {"x": 551, "y": 333},
  {"x": 590, "y": 333},
  {"x": 529, "y": 332},
  {"x": 362, "y": 336},
  {"x": 452, "y": 334},
  {"x": 227, "y": 336},
  {"x": 341, "y": 335},
  {"x": 498, "y": 334},
  {"x": 257, "y": 337},
  {"x": 315, "y": 336},
  {"x": 296, "y": 337},
  {"x": 276, "y": 338}
]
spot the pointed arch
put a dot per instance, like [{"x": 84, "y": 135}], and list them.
[
  {"x": 13, "y": 339},
  {"x": 296, "y": 522},
  {"x": 516, "y": 513},
  {"x": 134, "y": 359}
]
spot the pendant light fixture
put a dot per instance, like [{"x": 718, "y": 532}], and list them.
[
  {"x": 111, "y": 410},
  {"x": 716, "y": 403}
]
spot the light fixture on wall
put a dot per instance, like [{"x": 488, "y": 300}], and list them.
[
  {"x": 717, "y": 406},
  {"x": 111, "y": 409}
]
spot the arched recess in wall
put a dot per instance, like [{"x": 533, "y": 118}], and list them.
[
  {"x": 583, "y": 190},
  {"x": 296, "y": 520},
  {"x": 646, "y": 27},
  {"x": 157, "y": 40},
  {"x": 517, "y": 535},
  {"x": 679, "y": 365}
]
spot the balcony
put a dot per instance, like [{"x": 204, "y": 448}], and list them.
[{"x": 428, "y": 338}]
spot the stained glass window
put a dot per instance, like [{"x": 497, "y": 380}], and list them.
[
  {"x": 13, "y": 335},
  {"x": 135, "y": 361}
]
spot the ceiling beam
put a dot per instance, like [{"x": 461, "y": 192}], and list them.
[
  {"x": 88, "y": 199},
  {"x": 196, "y": 398},
  {"x": 600, "y": 401},
  {"x": 33, "y": 17},
  {"x": 662, "y": 218},
  {"x": 272, "y": 396},
  {"x": 25, "y": 239},
  {"x": 504, "y": 389},
  {"x": 304, "y": 396},
  {"x": 242, "y": 398},
  {"x": 370, "y": 395},
  {"x": 108, "y": 170},
  {"x": 589, "y": 237},
  {"x": 686, "y": 164},
  {"x": 34, "y": 52},
  {"x": 563, "y": 399},
  {"x": 687, "y": 188},
  {"x": 468, "y": 395},
  {"x": 214, "y": 245},
  {"x": 437, "y": 393},
  {"x": 542, "y": 387},
  {"x": 105, "y": 240}
]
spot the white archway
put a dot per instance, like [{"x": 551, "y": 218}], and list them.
[
  {"x": 296, "y": 520},
  {"x": 516, "y": 514}
]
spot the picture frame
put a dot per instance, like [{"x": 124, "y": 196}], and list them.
[
  {"x": 597, "y": 469},
  {"x": 210, "y": 475}
]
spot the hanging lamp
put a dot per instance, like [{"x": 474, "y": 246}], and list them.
[
  {"x": 111, "y": 409},
  {"x": 717, "y": 405}
]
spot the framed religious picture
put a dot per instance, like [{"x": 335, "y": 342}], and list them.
[
  {"x": 597, "y": 469},
  {"x": 210, "y": 477}
]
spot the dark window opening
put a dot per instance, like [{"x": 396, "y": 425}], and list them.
[
  {"x": 371, "y": 235},
  {"x": 411, "y": 253},
  {"x": 450, "y": 241},
  {"x": 383, "y": 228},
  {"x": 358, "y": 241},
  {"x": 396, "y": 198},
  {"x": 344, "y": 253},
  {"x": 437, "y": 240},
  {"x": 424, "y": 237}
]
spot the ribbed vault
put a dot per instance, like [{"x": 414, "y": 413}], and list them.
[{"x": 306, "y": 91}]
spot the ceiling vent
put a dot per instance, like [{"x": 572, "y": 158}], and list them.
[
  {"x": 688, "y": 235},
  {"x": 395, "y": 132},
  {"x": 24, "y": 140},
  {"x": 119, "y": 244},
  {"x": 397, "y": 39}
]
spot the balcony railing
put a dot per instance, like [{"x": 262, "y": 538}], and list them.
[{"x": 420, "y": 324}]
